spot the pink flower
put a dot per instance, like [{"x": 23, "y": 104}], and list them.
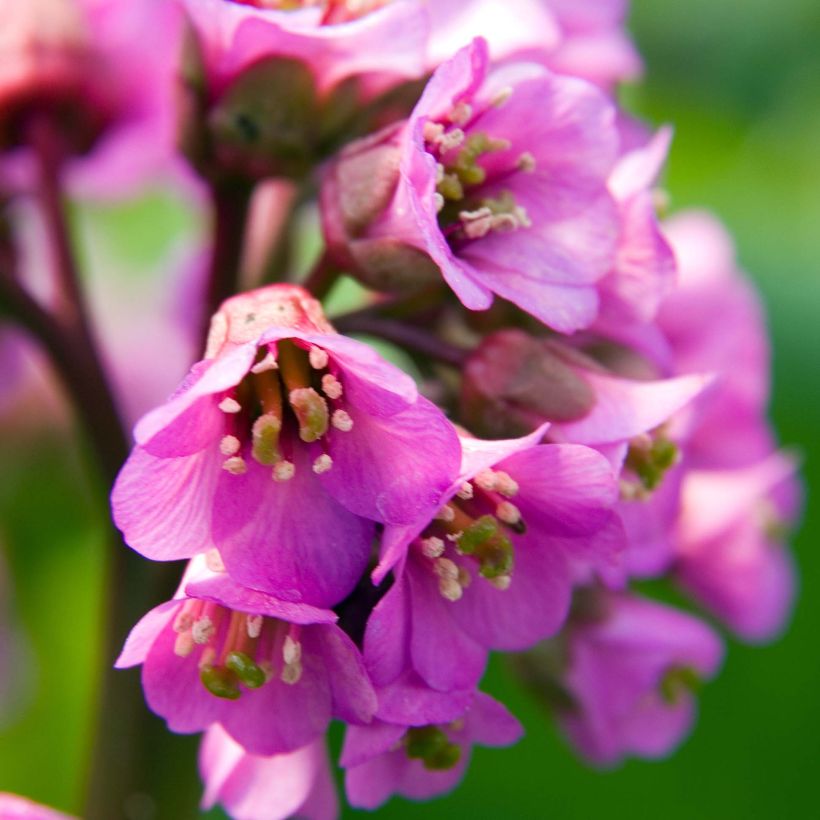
[
  {"x": 729, "y": 552},
  {"x": 287, "y": 429},
  {"x": 420, "y": 761},
  {"x": 630, "y": 677},
  {"x": 271, "y": 673},
  {"x": 494, "y": 569},
  {"x": 14, "y": 807},
  {"x": 497, "y": 179},
  {"x": 252, "y": 787}
]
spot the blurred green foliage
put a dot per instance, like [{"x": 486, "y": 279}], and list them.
[{"x": 740, "y": 81}]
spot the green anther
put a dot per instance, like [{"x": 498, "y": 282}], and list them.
[
  {"x": 266, "y": 431},
  {"x": 466, "y": 167},
  {"x": 430, "y": 745},
  {"x": 481, "y": 530},
  {"x": 651, "y": 465},
  {"x": 450, "y": 187},
  {"x": 677, "y": 681},
  {"x": 220, "y": 681},
  {"x": 504, "y": 203},
  {"x": 245, "y": 669},
  {"x": 496, "y": 557},
  {"x": 311, "y": 411}
]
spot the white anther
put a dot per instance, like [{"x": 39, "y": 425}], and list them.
[
  {"x": 465, "y": 491},
  {"x": 464, "y": 577},
  {"x": 454, "y": 537},
  {"x": 446, "y": 513},
  {"x": 526, "y": 162},
  {"x": 291, "y": 651},
  {"x": 501, "y": 582},
  {"x": 450, "y": 140},
  {"x": 184, "y": 645},
  {"x": 203, "y": 629},
  {"x": 445, "y": 568},
  {"x": 432, "y": 131},
  {"x": 230, "y": 445},
  {"x": 207, "y": 657},
  {"x": 291, "y": 673},
  {"x": 450, "y": 588},
  {"x": 322, "y": 464},
  {"x": 460, "y": 113},
  {"x": 229, "y": 405},
  {"x": 235, "y": 465},
  {"x": 183, "y": 622},
  {"x": 213, "y": 560},
  {"x": 267, "y": 668},
  {"x": 268, "y": 363},
  {"x": 508, "y": 513},
  {"x": 506, "y": 484},
  {"x": 477, "y": 223},
  {"x": 331, "y": 386},
  {"x": 317, "y": 357},
  {"x": 254, "y": 625},
  {"x": 283, "y": 471},
  {"x": 341, "y": 421},
  {"x": 502, "y": 95},
  {"x": 486, "y": 479},
  {"x": 432, "y": 547},
  {"x": 439, "y": 173},
  {"x": 438, "y": 201}
]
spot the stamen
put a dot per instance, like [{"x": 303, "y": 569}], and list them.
[
  {"x": 268, "y": 363},
  {"x": 229, "y": 405},
  {"x": 235, "y": 465},
  {"x": 501, "y": 582},
  {"x": 445, "y": 568},
  {"x": 438, "y": 201},
  {"x": 450, "y": 589},
  {"x": 465, "y": 492},
  {"x": 460, "y": 113},
  {"x": 183, "y": 645},
  {"x": 432, "y": 131},
  {"x": 283, "y": 471},
  {"x": 450, "y": 140},
  {"x": 311, "y": 411},
  {"x": 294, "y": 365},
  {"x": 508, "y": 513},
  {"x": 243, "y": 666},
  {"x": 291, "y": 650},
  {"x": 341, "y": 421},
  {"x": 318, "y": 358},
  {"x": 203, "y": 630},
  {"x": 486, "y": 479},
  {"x": 432, "y": 547},
  {"x": 322, "y": 464},
  {"x": 446, "y": 513},
  {"x": 506, "y": 484},
  {"x": 265, "y": 433},
  {"x": 501, "y": 96},
  {"x": 526, "y": 162},
  {"x": 464, "y": 577},
  {"x": 291, "y": 674},
  {"x": 477, "y": 223},
  {"x": 230, "y": 445},
  {"x": 253, "y": 625},
  {"x": 331, "y": 386}
]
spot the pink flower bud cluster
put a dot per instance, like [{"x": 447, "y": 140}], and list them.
[{"x": 590, "y": 412}]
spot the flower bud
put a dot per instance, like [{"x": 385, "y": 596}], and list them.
[{"x": 514, "y": 382}]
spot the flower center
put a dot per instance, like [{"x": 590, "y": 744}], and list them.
[
  {"x": 432, "y": 746},
  {"x": 237, "y": 648},
  {"x": 292, "y": 393},
  {"x": 477, "y": 524},
  {"x": 649, "y": 458},
  {"x": 469, "y": 199}
]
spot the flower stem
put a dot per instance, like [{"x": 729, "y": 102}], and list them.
[{"x": 322, "y": 277}]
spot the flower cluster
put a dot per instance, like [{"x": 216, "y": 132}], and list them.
[{"x": 589, "y": 412}]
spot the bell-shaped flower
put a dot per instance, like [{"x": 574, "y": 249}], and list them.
[
  {"x": 494, "y": 568},
  {"x": 282, "y": 449},
  {"x": 253, "y": 787},
  {"x": 497, "y": 182},
  {"x": 420, "y": 761},
  {"x": 630, "y": 676},
  {"x": 729, "y": 551},
  {"x": 271, "y": 673}
]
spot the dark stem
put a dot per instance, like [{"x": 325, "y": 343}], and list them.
[
  {"x": 412, "y": 338},
  {"x": 322, "y": 277},
  {"x": 230, "y": 203}
]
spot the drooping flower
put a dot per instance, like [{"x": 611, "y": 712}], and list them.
[
  {"x": 497, "y": 181},
  {"x": 630, "y": 677},
  {"x": 285, "y": 428},
  {"x": 271, "y": 673},
  {"x": 421, "y": 761},
  {"x": 729, "y": 551},
  {"x": 252, "y": 787},
  {"x": 495, "y": 567}
]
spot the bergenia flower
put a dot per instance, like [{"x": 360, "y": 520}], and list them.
[
  {"x": 424, "y": 761},
  {"x": 498, "y": 180},
  {"x": 271, "y": 673},
  {"x": 14, "y": 807},
  {"x": 631, "y": 674},
  {"x": 729, "y": 551},
  {"x": 252, "y": 787},
  {"x": 282, "y": 449},
  {"x": 495, "y": 567}
]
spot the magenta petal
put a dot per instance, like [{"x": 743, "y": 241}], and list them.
[
  {"x": 371, "y": 783},
  {"x": 387, "y": 636},
  {"x": 393, "y": 469},
  {"x": 410, "y": 702},
  {"x": 354, "y": 699},
  {"x": 289, "y": 538},
  {"x": 533, "y": 607},
  {"x": 163, "y": 505},
  {"x": 141, "y": 638},
  {"x": 491, "y": 723},
  {"x": 478, "y": 454},
  {"x": 222, "y": 589},
  {"x": 363, "y": 743},
  {"x": 445, "y": 656}
]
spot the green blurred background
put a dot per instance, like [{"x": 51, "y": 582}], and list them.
[{"x": 740, "y": 81}]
